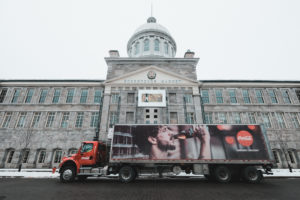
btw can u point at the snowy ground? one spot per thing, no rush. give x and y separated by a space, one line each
47 173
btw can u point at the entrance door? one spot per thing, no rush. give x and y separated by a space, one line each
151 116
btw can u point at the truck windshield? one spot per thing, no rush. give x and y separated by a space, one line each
87 147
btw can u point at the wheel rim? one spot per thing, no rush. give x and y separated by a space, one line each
252 175
126 174
223 175
67 174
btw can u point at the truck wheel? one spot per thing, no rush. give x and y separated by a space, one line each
68 174
222 174
126 174
252 175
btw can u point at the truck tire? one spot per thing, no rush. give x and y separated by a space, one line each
127 174
67 174
252 175
222 174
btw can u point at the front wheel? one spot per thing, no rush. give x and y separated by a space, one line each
68 174
127 174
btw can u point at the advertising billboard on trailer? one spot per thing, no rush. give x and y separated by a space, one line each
189 142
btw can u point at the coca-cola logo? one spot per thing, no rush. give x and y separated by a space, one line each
244 138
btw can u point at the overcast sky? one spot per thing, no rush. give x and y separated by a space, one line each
68 39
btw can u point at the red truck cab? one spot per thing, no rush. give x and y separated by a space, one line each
91 154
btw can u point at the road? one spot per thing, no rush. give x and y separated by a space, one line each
147 189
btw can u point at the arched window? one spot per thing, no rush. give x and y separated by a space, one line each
172 51
166 48
156 45
292 156
57 156
146 45
25 155
276 154
9 155
41 156
136 48
72 151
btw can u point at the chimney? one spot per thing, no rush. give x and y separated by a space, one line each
114 54
189 54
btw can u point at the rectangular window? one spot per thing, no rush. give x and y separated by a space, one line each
21 120
10 156
237 118
50 119
266 120
56 96
29 96
43 95
190 118
219 96
57 156
297 94
205 96
173 118
222 118
259 96
97 97
130 98
114 98
113 118
25 156
35 120
42 156
291 156
251 117
7 119
172 98
65 120
232 96
276 156
208 118
94 119
2 95
188 98
16 96
280 120
129 118
246 96
295 120
83 96
273 96
70 96
79 120
286 97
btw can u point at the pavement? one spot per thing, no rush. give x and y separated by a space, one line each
47 173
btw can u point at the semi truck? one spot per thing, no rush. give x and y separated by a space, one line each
220 152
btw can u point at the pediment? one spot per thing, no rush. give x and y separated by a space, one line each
151 75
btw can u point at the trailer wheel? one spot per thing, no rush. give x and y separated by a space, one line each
222 174
252 175
67 174
127 174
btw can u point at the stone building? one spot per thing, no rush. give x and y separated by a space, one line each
42 120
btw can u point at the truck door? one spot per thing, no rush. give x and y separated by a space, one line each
87 154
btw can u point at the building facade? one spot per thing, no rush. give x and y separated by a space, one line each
43 120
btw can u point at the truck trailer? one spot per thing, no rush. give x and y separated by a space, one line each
220 152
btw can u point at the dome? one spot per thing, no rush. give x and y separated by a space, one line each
153 27
151 40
